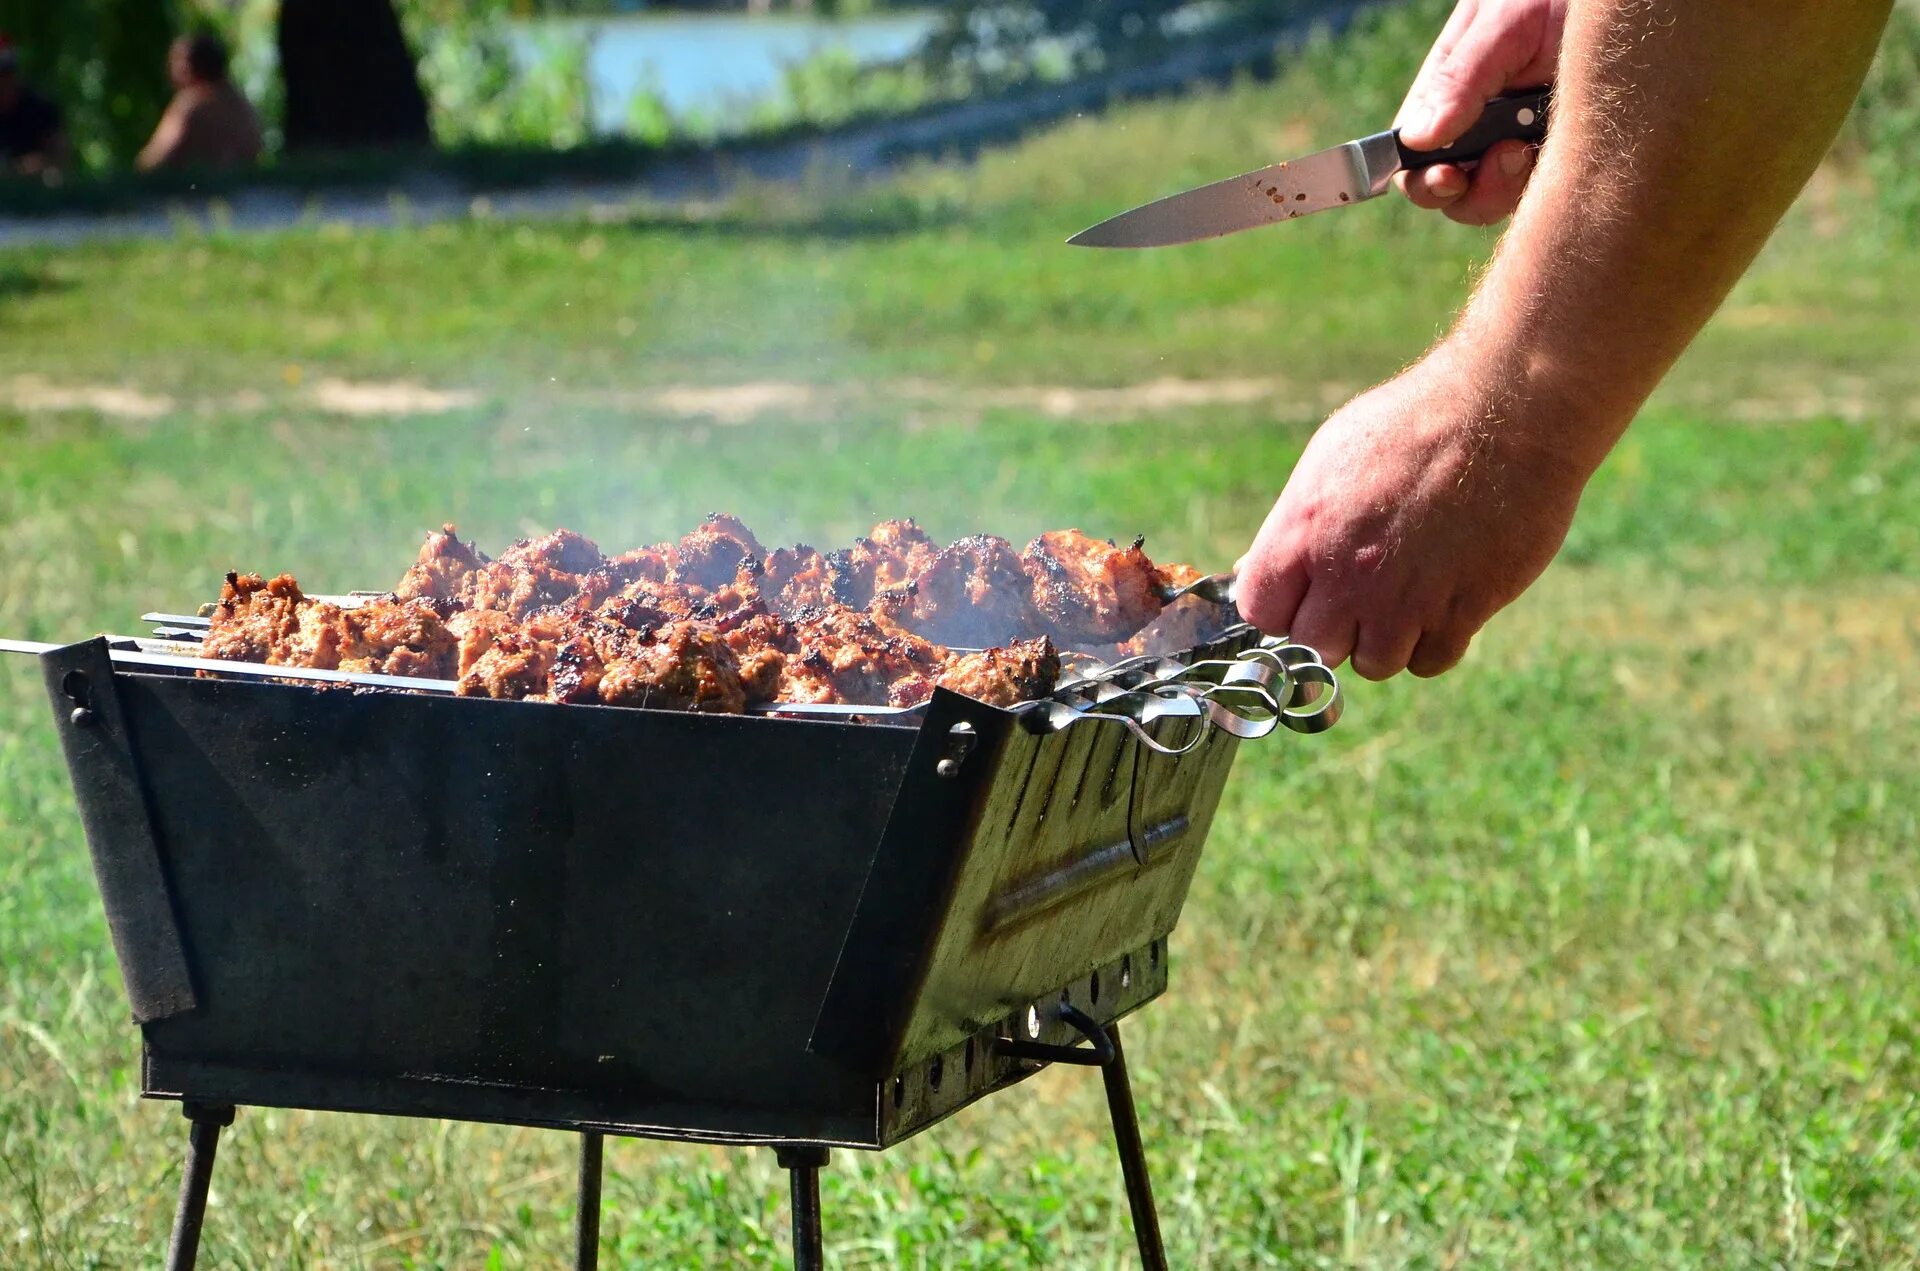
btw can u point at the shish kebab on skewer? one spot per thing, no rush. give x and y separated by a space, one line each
716 622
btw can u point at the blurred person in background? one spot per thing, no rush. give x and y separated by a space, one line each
209 123
1682 131
32 141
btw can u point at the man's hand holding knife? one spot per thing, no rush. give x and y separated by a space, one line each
1682 130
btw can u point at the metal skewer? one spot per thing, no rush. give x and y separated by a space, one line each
1217 588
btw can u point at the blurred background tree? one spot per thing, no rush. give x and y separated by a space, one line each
350 78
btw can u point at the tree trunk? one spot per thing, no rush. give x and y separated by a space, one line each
350 78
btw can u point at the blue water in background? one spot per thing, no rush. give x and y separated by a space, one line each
715 65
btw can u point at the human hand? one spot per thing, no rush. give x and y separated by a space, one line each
1487 47
1417 512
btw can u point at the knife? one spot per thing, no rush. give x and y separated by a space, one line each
1350 173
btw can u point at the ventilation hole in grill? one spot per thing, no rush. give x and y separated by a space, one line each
1093 989
969 1059
1126 972
1033 1021
935 1071
899 1091
1066 995
1153 954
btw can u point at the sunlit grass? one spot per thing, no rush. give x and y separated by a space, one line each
1600 951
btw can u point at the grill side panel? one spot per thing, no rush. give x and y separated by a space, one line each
1076 849
629 916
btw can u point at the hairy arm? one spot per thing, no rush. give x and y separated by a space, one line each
1682 131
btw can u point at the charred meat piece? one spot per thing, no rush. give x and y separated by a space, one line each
711 556
441 568
797 578
843 655
1090 591
1020 672
260 621
654 563
519 589
514 666
474 631
1185 624
892 556
762 643
562 551
274 623
973 594
397 637
680 667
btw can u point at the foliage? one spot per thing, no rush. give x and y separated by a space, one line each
103 61
1886 120
1014 40
833 87
484 91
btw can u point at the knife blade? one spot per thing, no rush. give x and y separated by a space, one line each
1338 177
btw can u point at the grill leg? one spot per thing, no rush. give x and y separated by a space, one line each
803 1163
1133 1157
203 1139
586 1228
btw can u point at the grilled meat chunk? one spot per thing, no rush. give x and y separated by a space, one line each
843 655
797 578
562 551
1089 591
398 637
1185 624
1020 672
711 556
442 567
892 556
682 666
519 589
260 621
514 666
274 623
974 594
654 563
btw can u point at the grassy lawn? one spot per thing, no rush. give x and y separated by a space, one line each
1603 950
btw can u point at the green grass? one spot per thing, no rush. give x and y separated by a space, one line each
1599 951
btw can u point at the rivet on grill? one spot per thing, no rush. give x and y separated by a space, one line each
960 743
79 691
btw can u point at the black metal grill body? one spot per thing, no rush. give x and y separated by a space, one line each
719 928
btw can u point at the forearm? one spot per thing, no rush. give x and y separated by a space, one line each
1682 131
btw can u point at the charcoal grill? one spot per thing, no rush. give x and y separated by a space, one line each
795 932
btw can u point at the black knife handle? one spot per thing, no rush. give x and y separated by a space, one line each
1520 116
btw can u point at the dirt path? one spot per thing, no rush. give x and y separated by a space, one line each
918 403
729 404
